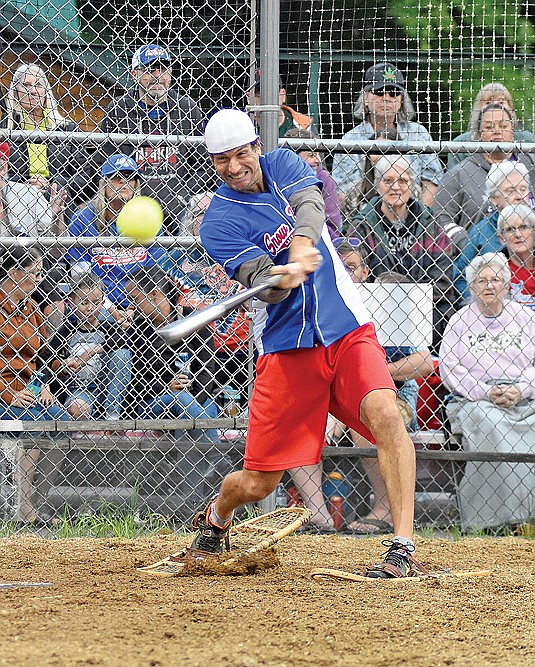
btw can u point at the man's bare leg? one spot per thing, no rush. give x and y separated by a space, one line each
245 486
395 454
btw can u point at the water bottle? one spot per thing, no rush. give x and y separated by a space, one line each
231 399
280 496
35 384
183 364
336 491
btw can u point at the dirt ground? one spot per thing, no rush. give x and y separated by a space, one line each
100 611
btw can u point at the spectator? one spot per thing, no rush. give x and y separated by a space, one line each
486 360
160 389
363 192
507 183
516 226
288 118
120 181
201 281
169 172
24 211
24 393
404 237
490 93
384 103
460 200
50 166
88 358
329 192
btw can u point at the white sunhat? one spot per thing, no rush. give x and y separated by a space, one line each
228 129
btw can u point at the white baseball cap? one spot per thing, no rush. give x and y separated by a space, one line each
228 129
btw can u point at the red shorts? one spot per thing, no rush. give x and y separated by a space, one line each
295 390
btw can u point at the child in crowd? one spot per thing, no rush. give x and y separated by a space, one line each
173 383
90 357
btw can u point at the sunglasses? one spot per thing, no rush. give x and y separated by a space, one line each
353 241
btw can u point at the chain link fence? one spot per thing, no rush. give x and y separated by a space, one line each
103 103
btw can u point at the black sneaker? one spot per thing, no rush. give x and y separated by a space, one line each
209 540
398 562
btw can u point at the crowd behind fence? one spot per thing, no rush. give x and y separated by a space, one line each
96 409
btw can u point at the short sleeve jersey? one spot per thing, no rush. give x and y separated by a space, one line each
240 227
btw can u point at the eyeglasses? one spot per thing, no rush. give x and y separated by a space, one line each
353 269
161 65
404 182
494 282
522 229
353 241
388 93
30 86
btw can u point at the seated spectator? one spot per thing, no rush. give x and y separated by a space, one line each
364 191
24 391
487 362
384 103
88 356
161 388
516 226
288 117
490 93
201 280
152 107
120 182
404 237
329 192
24 210
507 183
460 200
50 166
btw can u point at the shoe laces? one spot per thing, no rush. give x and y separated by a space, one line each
397 554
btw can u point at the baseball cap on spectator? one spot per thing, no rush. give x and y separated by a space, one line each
228 129
5 151
257 82
147 54
119 163
384 76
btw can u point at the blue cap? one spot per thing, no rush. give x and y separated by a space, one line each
146 55
118 163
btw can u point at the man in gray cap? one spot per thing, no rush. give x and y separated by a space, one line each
384 104
170 173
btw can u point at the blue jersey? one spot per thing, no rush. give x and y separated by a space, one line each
111 265
240 227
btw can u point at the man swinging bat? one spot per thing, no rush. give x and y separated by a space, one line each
318 352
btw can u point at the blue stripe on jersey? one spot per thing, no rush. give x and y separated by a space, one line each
239 227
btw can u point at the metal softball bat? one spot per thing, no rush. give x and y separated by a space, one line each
181 329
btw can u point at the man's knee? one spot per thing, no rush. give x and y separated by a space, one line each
379 410
260 484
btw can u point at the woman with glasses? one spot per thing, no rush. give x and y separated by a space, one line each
487 362
461 199
24 391
384 103
404 237
57 168
507 183
516 230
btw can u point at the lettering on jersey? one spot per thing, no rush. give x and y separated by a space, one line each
280 240
488 342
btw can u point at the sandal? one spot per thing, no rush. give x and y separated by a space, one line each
370 527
